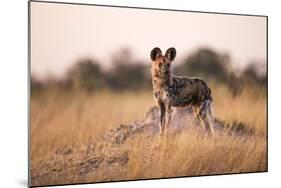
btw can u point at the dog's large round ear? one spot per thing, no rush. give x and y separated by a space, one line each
171 54
155 53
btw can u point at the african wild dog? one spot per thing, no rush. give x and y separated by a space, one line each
174 91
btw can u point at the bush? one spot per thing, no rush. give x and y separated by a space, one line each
206 63
86 74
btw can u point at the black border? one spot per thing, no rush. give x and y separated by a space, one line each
29 92
145 8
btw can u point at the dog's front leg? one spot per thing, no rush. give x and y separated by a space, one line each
168 116
162 121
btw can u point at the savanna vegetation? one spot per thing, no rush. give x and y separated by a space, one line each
70 118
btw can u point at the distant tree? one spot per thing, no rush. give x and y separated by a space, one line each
35 85
205 63
235 84
86 74
252 76
132 76
127 73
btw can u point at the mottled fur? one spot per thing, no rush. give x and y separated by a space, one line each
174 91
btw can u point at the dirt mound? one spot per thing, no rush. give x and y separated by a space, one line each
182 120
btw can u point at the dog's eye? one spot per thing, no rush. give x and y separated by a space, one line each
160 64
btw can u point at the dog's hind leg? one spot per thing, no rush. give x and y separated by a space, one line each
205 115
196 113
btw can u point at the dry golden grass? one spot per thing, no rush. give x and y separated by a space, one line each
72 121
59 120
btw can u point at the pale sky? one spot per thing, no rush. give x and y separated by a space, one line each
63 33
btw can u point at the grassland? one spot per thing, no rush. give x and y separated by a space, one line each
66 127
